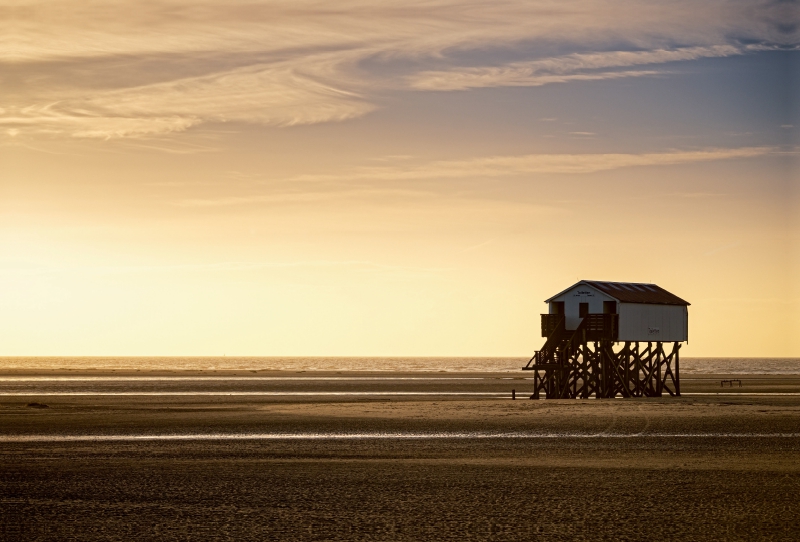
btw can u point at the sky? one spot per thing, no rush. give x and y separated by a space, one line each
372 178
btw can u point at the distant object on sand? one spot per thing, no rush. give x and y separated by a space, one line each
37 405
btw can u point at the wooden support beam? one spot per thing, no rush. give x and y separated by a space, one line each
575 368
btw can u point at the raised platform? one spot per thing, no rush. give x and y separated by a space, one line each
583 362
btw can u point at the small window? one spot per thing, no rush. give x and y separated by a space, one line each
609 307
583 310
558 307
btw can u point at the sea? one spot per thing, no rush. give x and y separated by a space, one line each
688 366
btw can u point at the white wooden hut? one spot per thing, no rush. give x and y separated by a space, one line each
646 312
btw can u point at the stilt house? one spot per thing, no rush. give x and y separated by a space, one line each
620 311
584 325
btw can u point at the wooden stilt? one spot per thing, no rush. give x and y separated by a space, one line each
597 369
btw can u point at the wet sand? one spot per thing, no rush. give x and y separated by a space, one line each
391 456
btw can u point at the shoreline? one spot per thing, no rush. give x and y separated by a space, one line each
4 371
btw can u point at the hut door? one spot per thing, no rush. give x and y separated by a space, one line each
583 310
609 307
558 307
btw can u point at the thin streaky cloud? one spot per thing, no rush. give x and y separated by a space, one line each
280 95
479 245
487 167
722 248
47 30
235 267
267 96
503 166
449 81
564 68
288 193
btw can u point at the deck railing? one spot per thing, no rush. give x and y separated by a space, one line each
597 326
549 323
601 327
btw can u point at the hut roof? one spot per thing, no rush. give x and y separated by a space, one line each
631 292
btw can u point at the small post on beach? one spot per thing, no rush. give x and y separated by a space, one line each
513 394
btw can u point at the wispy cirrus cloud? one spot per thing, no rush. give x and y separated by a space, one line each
48 29
573 67
277 94
362 182
503 166
89 68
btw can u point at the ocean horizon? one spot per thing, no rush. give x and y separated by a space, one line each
688 365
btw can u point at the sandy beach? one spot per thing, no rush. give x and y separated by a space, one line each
391 456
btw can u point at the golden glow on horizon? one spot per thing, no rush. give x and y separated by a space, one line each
274 178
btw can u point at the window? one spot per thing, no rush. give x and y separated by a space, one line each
557 307
609 307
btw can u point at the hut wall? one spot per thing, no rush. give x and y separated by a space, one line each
644 322
572 299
